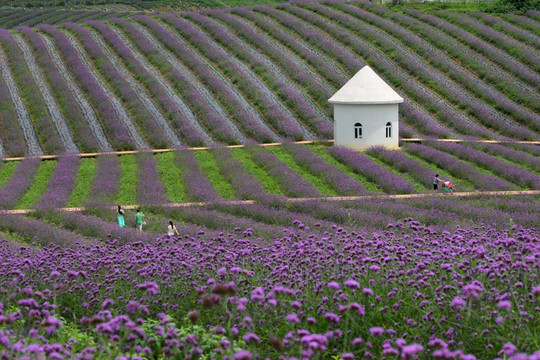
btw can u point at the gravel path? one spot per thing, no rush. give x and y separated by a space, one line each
225 80
255 78
210 99
278 74
57 116
172 137
32 142
424 91
86 107
140 143
442 78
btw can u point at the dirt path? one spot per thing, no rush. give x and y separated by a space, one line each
328 198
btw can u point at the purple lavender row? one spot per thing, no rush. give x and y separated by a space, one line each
115 129
485 69
90 15
140 113
24 16
45 129
309 97
66 15
150 189
105 185
321 65
462 77
195 95
245 185
420 120
9 17
363 165
14 142
523 22
497 23
40 19
81 130
197 185
60 184
399 161
480 46
529 148
519 157
111 41
513 47
292 183
18 183
248 120
500 168
416 66
457 168
250 84
331 174
35 231
414 115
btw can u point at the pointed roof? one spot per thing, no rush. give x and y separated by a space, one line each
366 87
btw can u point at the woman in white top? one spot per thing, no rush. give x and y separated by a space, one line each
171 229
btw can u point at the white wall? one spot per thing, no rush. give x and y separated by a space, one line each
373 119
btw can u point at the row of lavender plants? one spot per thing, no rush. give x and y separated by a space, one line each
32 18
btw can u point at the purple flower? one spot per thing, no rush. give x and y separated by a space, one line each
376 331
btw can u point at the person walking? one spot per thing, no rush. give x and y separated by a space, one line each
139 220
120 215
171 229
436 181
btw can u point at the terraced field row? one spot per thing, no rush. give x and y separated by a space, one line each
263 174
261 74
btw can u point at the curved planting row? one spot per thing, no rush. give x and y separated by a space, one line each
31 18
266 174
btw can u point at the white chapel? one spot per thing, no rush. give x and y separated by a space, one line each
366 112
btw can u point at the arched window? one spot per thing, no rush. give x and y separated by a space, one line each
357 131
388 130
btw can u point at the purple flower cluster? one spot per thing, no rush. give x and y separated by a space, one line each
14 142
340 181
402 294
18 183
374 172
60 184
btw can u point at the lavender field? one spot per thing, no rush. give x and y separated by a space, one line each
90 82
290 251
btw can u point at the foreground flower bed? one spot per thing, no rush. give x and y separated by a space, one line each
406 292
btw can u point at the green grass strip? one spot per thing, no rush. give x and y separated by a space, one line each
321 151
316 181
269 184
209 167
83 182
127 195
171 177
39 185
6 171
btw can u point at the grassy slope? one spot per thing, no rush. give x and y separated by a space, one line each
6 171
208 165
171 176
128 180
